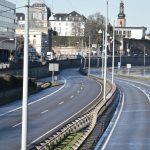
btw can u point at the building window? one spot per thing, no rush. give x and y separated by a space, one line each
34 35
120 33
34 42
129 33
66 24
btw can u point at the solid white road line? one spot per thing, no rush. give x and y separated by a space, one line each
35 101
113 128
43 112
17 125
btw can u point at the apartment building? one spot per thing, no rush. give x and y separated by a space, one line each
7 29
68 24
39 27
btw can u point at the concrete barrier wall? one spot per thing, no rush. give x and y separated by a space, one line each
39 71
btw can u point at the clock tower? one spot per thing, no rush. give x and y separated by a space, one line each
121 21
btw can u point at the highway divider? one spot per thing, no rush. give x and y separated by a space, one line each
86 122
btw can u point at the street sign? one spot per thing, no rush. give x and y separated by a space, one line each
53 67
128 66
119 65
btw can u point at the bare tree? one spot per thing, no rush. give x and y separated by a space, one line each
94 23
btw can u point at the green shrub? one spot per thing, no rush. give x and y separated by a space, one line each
8 82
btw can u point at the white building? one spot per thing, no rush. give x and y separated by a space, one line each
38 27
7 29
130 32
71 24
122 32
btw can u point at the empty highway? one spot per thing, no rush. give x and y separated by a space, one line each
47 110
132 129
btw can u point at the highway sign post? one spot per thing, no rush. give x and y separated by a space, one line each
53 67
128 67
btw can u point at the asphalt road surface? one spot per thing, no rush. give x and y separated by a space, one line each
47 110
132 129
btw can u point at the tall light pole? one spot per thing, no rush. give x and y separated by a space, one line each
85 52
100 32
113 56
103 54
144 52
89 70
25 80
105 63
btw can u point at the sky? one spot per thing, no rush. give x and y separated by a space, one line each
137 11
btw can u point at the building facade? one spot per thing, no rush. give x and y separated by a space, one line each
71 24
130 32
7 30
123 32
39 28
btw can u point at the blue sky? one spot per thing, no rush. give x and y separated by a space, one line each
137 11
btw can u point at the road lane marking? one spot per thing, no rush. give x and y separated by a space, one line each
17 125
43 112
78 91
140 88
10 111
115 123
67 119
61 103
72 96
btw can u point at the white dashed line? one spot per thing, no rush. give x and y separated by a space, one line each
72 96
43 112
61 103
17 125
78 91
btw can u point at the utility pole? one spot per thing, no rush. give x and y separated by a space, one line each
103 54
25 80
105 63
113 56
89 56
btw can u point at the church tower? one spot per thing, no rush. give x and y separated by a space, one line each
121 21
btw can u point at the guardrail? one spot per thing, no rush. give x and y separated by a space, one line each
88 121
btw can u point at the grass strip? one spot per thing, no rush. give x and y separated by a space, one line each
68 142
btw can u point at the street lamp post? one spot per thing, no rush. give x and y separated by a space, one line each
25 80
103 54
89 56
105 64
144 52
100 32
113 56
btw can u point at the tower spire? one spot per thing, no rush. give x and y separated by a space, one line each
121 16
